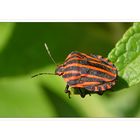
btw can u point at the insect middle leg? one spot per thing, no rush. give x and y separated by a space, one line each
82 94
67 90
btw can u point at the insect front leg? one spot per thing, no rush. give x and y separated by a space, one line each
67 90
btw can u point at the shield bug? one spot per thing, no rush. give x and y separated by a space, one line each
83 72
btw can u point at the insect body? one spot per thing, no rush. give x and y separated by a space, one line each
91 72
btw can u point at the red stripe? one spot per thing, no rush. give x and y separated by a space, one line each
84 75
91 67
92 61
86 84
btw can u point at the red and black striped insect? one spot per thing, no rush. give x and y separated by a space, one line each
89 72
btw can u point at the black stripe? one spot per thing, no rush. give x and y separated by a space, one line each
82 80
84 70
74 82
73 55
70 75
90 88
80 55
87 79
87 63
89 57
75 68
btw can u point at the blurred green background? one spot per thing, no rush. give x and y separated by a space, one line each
22 54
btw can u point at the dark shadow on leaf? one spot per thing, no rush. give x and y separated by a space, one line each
120 84
61 106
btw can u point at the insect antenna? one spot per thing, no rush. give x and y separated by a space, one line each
47 73
48 51
42 73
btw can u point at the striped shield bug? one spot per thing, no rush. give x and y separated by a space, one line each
83 72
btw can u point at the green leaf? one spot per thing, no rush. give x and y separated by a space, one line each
126 56
5 33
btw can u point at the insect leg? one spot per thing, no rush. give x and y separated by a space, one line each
100 93
82 94
67 91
